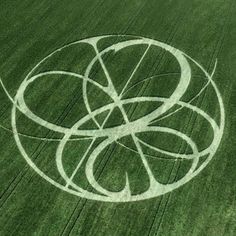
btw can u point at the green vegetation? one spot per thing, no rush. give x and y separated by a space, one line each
30 30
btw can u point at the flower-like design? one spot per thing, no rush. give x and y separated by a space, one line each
132 128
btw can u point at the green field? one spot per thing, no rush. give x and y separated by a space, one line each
118 117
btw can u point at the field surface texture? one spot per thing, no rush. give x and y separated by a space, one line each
118 117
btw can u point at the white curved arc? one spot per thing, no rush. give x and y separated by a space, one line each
191 100
22 106
162 151
43 138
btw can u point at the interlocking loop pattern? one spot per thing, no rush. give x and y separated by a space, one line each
130 128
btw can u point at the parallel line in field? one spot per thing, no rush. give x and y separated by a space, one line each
169 178
155 67
81 199
26 168
25 35
23 173
85 200
104 166
129 24
199 104
39 148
